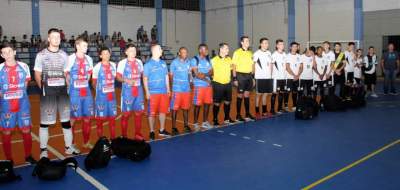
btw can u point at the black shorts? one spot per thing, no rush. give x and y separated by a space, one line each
370 79
358 80
245 82
338 79
306 85
292 86
221 92
350 77
280 85
264 85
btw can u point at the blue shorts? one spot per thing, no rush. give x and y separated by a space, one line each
81 107
130 103
105 108
22 118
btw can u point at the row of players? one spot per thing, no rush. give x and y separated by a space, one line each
64 81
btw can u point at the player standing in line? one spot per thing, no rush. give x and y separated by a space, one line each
78 72
156 85
263 74
180 76
49 76
129 73
105 101
14 102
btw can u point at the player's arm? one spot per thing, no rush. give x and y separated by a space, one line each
300 70
289 70
38 78
146 87
167 84
38 71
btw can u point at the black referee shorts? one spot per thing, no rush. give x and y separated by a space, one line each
264 85
221 92
245 82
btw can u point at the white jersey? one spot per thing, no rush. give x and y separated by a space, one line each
330 56
321 64
294 61
373 62
350 58
307 73
279 60
357 68
262 64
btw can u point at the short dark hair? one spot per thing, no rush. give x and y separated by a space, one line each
222 44
182 48
51 30
80 39
7 45
278 41
337 43
326 42
130 45
351 44
293 43
371 47
104 48
202 45
243 37
263 39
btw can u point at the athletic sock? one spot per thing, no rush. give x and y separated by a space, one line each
238 106
86 131
264 109
99 129
68 136
138 123
215 112
247 105
273 103
227 109
124 125
27 143
111 124
44 137
7 146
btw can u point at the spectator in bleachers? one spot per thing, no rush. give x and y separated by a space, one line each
122 44
13 41
62 36
114 36
25 43
72 41
107 42
145 37
5 40
1 32
139 34
154 33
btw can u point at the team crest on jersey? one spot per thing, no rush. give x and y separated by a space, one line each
5 86
74 107
7 115
100 107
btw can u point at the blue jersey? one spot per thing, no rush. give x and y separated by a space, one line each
203 65
132 71
156 73
13 88
180 72
79 73
14 101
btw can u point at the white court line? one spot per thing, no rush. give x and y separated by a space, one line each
261 141
232 134
82 173
278 145
246 137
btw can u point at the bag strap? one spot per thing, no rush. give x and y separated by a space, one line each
70 162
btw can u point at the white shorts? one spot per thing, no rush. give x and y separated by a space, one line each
50 105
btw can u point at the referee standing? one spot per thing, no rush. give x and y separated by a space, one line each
243 77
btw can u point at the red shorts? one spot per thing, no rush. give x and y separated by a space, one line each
158 103
180 100
202 95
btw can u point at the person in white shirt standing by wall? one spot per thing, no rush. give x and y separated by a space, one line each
371 61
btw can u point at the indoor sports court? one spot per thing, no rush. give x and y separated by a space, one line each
258 94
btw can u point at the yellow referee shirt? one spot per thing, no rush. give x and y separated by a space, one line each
222 69
243 60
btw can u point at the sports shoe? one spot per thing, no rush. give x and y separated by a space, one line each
152 135
164 133
72 150
87 145
44 153
249 117
174 131
196 127
258 116
30 160
229 121
240 118
215 123
187 129
374 95
206 125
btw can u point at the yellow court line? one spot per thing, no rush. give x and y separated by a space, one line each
351 165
